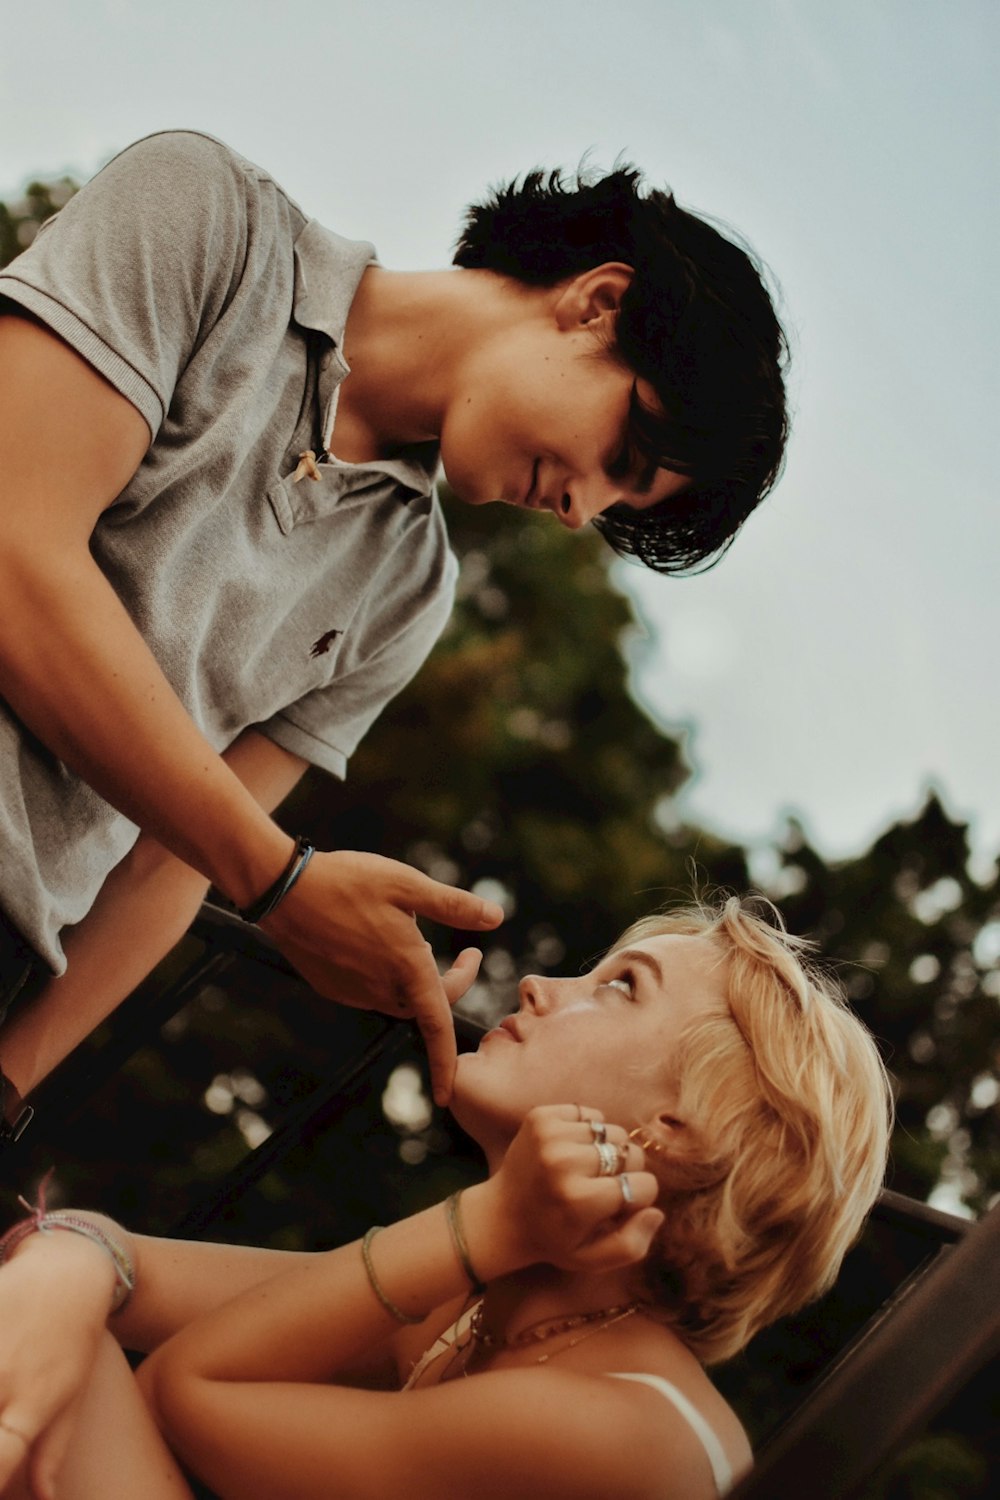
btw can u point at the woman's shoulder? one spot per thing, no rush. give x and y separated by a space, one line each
655 1372
576 1403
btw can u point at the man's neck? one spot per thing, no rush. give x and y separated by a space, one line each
407 335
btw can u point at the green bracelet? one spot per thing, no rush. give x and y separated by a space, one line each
458 1240
387 1303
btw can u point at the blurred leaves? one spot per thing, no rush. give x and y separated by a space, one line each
21 219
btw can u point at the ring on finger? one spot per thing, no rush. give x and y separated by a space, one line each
609 1158
627 1195
599 1131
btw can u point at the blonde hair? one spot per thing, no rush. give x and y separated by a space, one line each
787 1111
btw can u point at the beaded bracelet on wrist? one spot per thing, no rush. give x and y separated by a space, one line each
41 1221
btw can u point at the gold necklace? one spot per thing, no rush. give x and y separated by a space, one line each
549 1328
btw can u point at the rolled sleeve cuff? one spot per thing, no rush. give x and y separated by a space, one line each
299 741
58 318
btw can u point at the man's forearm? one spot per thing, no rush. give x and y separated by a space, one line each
144 908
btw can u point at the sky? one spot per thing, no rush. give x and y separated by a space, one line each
843 657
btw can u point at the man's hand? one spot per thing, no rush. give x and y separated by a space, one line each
349 927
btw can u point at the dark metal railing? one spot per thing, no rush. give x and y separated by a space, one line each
940 1329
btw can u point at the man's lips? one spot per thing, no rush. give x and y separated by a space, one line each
529 498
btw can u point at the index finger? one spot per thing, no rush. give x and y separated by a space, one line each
432 1013
449 904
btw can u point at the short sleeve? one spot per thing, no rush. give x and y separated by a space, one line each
135 268
402 625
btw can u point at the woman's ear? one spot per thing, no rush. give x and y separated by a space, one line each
663 1137
592 299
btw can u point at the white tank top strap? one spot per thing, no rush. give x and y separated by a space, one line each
446 1340
721 1469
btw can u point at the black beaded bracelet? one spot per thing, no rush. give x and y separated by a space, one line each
276 893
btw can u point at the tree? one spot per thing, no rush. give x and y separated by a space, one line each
21 220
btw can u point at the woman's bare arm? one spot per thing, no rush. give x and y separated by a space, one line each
243 1395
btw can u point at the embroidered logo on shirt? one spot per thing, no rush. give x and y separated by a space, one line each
322 646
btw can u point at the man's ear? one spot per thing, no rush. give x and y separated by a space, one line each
592 298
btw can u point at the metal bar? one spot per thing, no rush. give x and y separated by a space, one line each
60 1096
322 1107
895 1208
930 1342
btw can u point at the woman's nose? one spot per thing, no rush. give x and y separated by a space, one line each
537 993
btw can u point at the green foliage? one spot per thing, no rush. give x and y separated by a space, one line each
21 219
918 937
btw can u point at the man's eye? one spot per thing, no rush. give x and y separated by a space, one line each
621 464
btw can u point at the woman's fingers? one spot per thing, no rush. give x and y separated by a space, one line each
13 1451
623 1243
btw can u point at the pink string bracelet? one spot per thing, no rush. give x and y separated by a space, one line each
41 1221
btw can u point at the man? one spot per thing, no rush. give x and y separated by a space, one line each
220 554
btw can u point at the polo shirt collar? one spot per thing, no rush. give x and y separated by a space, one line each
328 271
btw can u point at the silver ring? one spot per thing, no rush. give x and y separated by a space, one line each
599 1131
609 1159
626 1187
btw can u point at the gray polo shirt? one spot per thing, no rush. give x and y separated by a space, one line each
193 284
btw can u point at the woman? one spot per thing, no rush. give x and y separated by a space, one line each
729 1138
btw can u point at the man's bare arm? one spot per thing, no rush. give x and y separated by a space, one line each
79 674
146 905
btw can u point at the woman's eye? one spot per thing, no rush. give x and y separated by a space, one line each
623 982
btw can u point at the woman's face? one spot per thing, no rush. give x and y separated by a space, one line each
604 1040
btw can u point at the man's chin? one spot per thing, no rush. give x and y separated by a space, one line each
472 493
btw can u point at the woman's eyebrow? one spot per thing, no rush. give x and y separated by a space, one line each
642 958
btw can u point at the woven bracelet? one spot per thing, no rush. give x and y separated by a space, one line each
276 893
458 1240
387 1302
41 1222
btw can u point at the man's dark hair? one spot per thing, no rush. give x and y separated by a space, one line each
696 322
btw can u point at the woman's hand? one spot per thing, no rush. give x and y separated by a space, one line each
550 1202
54 1297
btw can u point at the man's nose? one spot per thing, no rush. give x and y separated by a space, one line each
582 499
